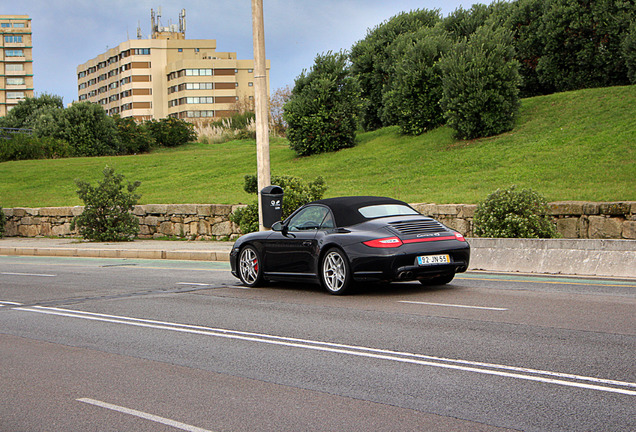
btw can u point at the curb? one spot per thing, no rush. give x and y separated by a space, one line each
118 253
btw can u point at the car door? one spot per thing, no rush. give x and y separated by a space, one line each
292 251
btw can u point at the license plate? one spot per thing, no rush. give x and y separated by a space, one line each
433 259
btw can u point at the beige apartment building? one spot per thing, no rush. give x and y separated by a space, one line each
167 75
16 61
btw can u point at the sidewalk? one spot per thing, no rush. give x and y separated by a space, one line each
144 249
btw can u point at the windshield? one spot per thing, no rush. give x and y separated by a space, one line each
383 210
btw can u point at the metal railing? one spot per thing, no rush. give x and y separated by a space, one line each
5 133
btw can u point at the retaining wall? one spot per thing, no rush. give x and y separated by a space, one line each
196 221
574 220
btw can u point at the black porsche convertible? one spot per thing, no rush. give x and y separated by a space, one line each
340 241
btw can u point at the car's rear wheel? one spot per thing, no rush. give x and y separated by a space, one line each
335 273
439 280
250 269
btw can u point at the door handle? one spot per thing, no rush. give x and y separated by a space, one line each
306 243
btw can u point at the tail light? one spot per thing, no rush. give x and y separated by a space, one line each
388 242
460 237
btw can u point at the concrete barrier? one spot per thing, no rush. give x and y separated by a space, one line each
611 258
605 258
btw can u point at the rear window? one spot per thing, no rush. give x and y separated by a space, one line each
383 210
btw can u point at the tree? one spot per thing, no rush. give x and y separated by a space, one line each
524 19
582 43
89 130
372 60
171 132
322 112
481 84
26 113
628 47
412 96
134 138
277 101
107 209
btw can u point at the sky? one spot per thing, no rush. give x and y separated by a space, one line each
67 33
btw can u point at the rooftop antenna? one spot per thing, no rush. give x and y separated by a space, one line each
153 23
139 35
182 21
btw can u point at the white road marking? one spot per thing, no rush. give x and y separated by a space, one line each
143 415
564 379
28 274
193 284
8 303
204 284
453 305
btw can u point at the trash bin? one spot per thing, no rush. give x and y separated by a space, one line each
272 201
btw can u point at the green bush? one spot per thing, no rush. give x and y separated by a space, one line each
581 43
514 213
374 57
134 138
481 84
628 47
23 147
89 130
322 112
27 112
246 218
296 193
414 89
2 222
171 132
107 213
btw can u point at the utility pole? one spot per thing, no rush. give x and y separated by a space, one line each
260 104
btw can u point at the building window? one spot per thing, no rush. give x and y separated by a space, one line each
14 53
142 51
200 100
180 50
5 25
199 86
250 84
18 25
198 114
15 67
198 72
13 39
15 95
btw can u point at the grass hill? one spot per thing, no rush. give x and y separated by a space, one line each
577 145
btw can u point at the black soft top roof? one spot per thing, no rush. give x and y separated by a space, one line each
345 209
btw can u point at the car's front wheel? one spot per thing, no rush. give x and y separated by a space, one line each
250 269
335 273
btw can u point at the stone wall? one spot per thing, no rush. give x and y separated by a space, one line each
195 221
574 219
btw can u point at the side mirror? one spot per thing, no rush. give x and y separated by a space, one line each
277 226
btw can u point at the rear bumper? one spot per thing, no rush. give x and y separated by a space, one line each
377 264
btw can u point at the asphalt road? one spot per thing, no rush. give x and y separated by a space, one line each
98 344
